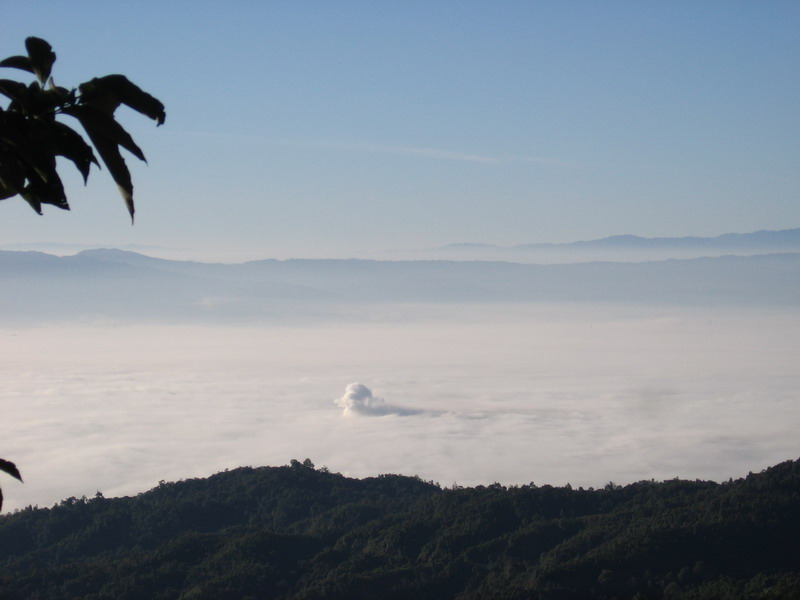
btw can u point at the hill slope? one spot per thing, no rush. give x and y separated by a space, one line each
297 532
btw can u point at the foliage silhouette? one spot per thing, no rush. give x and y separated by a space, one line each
10 468
31 136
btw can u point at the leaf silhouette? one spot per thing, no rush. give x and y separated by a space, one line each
14 90
8 467
17 62
107 93
107 135
71 145
99 124
11 469
32 136
41 57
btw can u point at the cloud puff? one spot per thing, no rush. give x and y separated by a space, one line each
359 400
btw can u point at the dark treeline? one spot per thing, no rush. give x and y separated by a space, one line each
301 532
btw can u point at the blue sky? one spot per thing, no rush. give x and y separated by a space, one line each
339 128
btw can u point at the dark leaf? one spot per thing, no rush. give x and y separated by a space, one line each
18 62
31 137
42 57
45 185
69 144
26 152
65 96
50 101
8 180
109 152
124 91
7 190
11 169
39 192
10 468
33 200
101 125
14 90
98 95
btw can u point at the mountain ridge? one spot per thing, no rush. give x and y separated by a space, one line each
116 283
623 247
788 237
296 532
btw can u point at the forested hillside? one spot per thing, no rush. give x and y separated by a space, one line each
301 532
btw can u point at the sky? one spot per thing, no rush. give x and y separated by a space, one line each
322 129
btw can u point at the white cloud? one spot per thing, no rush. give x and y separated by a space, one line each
506 394
359 400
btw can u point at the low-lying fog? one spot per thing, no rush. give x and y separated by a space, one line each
455 394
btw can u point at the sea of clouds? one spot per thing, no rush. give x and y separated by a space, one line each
467 395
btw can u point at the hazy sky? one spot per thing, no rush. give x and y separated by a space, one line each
326 128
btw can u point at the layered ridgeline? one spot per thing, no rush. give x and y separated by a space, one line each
618 248
301 532
622 248
125 285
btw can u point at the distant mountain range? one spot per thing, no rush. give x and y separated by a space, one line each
627 248
120 284
618 248
774 240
